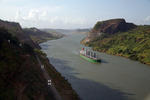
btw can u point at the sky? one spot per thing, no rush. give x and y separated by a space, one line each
72 14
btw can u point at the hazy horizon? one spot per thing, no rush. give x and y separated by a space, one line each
73 14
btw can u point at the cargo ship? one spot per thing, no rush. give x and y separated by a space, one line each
89 55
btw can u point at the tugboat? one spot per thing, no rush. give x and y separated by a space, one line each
89 55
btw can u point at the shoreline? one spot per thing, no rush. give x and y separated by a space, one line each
63 87
120 55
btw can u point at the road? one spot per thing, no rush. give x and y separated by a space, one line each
47 77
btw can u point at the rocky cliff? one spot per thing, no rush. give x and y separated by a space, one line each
109 27
117 37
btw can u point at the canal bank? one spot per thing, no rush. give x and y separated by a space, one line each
116 78
60 87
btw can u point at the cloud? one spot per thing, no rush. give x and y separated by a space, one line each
147 18
35 14
45 18
41 15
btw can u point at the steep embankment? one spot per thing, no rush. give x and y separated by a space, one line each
62 86
20 75
133 43
39 36
16 30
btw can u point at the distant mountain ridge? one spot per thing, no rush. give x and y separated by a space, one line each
53 32
67 31
39 36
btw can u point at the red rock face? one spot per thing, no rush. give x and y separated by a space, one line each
111 26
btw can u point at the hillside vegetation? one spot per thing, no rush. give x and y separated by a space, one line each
108 27
61 84
39 36
118 37
20 74
15 29
133 44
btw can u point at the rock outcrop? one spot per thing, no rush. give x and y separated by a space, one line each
109 27
112 26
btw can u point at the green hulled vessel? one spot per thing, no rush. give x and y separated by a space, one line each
90 56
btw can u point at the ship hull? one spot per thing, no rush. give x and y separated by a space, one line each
90 59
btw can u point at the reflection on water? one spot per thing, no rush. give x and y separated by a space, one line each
101 92
116 78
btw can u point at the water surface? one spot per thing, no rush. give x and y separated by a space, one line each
116 78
